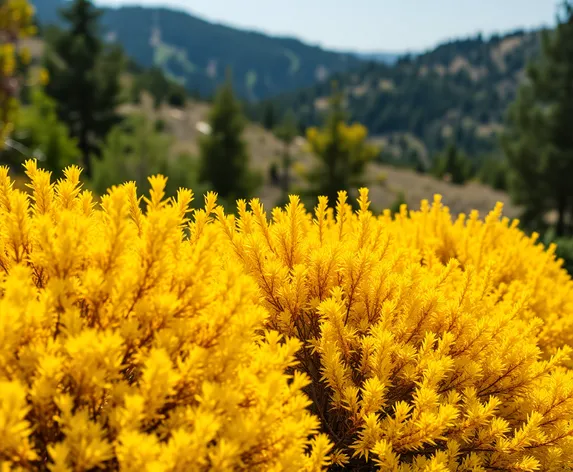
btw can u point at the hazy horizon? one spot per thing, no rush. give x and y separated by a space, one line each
368 25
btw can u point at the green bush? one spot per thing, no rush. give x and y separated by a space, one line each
134 150
494 172
564 248
454 164
39 133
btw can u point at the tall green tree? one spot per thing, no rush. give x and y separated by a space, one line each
493 171
269 116
161 88
84 78
287 131
223 152
454 163
341 153
539 137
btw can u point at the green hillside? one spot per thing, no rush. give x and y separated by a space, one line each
197 53
460 90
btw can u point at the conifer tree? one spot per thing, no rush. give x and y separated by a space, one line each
454 164
539 138
341 152
84 79
223 152
269 116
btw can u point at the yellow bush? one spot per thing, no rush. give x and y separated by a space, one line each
432 344
161 340
515 263
130 341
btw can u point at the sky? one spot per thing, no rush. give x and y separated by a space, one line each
368 25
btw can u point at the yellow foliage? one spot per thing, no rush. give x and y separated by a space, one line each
136 335
341 153
130 340
432 343
350 138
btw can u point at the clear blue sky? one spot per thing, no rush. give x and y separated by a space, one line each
369 25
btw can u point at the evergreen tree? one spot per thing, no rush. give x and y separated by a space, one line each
341 152
454 164
84 78
539 139
223 152
269 116
161 88
287 132
493 171
416 159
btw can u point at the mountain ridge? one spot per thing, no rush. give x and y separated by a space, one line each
197 52
458 91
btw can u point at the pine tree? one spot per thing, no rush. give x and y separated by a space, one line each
223 152
287 132
269 116
84 79
341 152
493 170
454 164
539 138
161 88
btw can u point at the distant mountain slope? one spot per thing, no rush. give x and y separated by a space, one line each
383 57
265 149
197 53
459 90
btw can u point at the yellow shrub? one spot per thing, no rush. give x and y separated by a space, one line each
160 340
130 341
514 262
432 345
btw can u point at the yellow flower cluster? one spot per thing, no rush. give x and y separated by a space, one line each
433 344
15 24
130 340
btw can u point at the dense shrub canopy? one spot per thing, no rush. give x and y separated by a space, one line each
126 346
138 335
432 343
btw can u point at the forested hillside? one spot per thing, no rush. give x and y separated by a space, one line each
460 91
197 53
